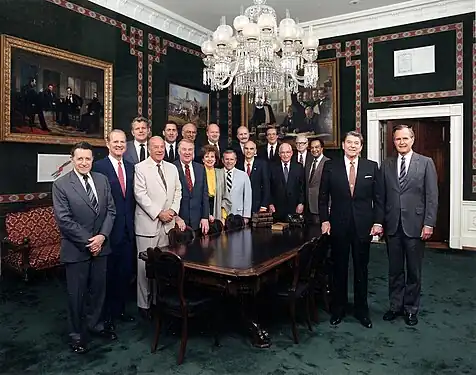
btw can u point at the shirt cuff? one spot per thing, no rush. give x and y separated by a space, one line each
379 225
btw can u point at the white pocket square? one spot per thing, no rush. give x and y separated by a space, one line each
369 176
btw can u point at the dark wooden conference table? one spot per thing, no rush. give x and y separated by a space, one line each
240 263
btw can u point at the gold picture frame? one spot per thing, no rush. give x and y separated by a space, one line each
328 79
57 113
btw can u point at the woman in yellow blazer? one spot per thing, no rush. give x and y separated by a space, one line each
220 204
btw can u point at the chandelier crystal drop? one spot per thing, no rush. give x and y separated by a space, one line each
260 58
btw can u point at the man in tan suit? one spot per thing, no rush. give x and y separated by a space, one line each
158 192
313 173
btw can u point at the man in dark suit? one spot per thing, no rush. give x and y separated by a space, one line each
194 205
213 139
84 211
286 185
352 186
313 173
270 151
302 156
120 175
258 172
411 205
170 136
243 136
137 149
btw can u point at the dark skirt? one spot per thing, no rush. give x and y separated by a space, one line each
211 201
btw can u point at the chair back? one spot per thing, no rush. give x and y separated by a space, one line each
178 237
215 228
320 255
169 273
234 222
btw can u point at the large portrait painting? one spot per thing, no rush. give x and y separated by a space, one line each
312 111
188 105
53 96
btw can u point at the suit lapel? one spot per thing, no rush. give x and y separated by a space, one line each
394 173
99 192
129 177
154 170
412 170
183 180
78 186
112 171
360 174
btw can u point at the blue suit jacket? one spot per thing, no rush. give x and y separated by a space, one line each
125 206
195 204
259 183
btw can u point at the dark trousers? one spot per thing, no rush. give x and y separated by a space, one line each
404 293
86 283
341 246
119 273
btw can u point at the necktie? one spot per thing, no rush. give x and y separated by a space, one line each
352 178
171 153
286 172
120 175
142 152
403 171
248 168
313 169
188 176
90 193
229 181
271 153
161 174
300 159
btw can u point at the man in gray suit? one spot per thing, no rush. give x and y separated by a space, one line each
238 186
84 211
313 173
137 149
411 205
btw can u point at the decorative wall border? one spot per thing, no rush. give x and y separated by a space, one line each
352 49
230 115
458 91
23 197
473 186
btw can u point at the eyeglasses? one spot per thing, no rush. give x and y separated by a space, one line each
301 143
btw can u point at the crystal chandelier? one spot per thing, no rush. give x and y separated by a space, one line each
260 58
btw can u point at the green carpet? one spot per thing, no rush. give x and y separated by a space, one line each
33 334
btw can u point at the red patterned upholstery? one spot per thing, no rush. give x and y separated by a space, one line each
37 224
39 227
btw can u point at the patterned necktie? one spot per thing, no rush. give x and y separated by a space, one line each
229 181
403 171
188 176
171 153
271 153
352 178
313 169
286 172
142 152
90 193
248 169
301 159
161 174
120 175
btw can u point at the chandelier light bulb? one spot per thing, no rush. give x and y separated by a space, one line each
240 22
251 31
208 47
266 21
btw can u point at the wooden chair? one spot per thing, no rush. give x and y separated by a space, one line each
321 271
178 237
169 273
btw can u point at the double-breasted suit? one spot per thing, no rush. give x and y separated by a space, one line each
408 207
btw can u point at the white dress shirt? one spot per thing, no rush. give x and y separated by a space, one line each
90 180
408 157
137 147
250 163
115 164
275 148
304 155
347 165
192 174
319 159
167 147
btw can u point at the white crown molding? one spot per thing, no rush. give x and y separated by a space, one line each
414 11
153 15
389 16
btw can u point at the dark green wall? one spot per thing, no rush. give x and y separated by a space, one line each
49 24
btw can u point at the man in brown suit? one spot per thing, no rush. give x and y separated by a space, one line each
313 172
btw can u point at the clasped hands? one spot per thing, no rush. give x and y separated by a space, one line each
95 244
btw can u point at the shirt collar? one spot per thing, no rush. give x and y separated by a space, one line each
347 160
137 144
81 176
114 161
407 156
170 144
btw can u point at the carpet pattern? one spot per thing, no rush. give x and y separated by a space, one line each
33 334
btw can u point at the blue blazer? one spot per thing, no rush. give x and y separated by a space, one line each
195 205
125 206
259 183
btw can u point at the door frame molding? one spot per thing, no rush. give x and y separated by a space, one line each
457 239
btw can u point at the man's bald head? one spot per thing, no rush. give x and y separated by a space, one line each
213 133
189 131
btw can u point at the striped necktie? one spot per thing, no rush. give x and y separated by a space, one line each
228 181
90 193
403 171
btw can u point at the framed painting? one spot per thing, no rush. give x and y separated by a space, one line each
53 96
313 112
188 105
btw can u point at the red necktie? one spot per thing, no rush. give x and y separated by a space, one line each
188 176
122 181
248 169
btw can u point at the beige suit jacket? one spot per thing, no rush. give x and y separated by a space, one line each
152 197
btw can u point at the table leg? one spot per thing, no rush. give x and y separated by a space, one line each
259 336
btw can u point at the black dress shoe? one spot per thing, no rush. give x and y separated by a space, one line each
78 347
105 334
411 319
336 320
365 321
109 325
391 315
126 318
